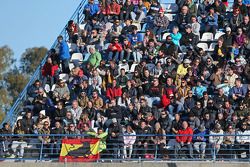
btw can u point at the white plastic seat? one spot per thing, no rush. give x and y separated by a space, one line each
165 35
125 66
218 35
82 26
138 25
47 88
207 36
72 47
169 16
212 46
132 69
71 66
64 76
108 26
204 46
76 56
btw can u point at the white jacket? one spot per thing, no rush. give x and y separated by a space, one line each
213 139
243 136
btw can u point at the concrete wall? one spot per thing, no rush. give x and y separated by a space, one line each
127 164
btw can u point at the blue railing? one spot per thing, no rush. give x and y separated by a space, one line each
31 148
15 110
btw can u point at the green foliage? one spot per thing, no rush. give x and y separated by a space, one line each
6 59
31 58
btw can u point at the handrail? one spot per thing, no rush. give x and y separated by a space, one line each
13 112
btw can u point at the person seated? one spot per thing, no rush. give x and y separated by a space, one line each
215 139
211 21
126 10
90 10
182 18
61 91
140 12
184 139
111 11
114 50
243 140
199 140
161 23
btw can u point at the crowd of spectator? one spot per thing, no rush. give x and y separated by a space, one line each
168 91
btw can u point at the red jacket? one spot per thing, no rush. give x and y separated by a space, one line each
117 45
112 93
185 139
115 8
165 101
49 69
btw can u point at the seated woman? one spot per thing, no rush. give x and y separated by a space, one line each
129 137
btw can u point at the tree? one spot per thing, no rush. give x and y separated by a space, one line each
31 59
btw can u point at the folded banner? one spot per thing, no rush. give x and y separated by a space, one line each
79 150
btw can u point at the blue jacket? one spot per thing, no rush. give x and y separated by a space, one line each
246 2
212 21
134 38
176 38
198 91
200 134
64 51
93 8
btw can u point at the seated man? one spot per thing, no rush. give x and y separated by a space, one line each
243 140
184 139
199 140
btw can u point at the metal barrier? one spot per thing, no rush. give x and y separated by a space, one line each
29 147
17 107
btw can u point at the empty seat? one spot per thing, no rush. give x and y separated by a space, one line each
211 47
82 26
132 69
218 35
76 56
207 36
204 46
64 76
125 66
165 35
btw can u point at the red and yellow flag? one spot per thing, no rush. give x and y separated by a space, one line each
79 150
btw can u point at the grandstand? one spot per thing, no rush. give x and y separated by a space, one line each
162 85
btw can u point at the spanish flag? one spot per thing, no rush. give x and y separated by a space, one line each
79 150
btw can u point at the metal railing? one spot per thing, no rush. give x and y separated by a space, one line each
29 147
17 107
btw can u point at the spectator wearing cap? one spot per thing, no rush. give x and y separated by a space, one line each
126 10
184 139
182 18
199 140
61 91
189 38
211 21
90 10
140 11
228 38
216 139
243 140
161 23
39 123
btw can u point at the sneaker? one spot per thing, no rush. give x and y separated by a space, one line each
12 156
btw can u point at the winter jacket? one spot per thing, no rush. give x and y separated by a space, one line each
201 134
213 139
113 7
64 51
95 59
118 47
241 138
187 135
49 69
93 8
161 21
176 38
114 92
129 138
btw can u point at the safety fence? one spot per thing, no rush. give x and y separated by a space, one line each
85 148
